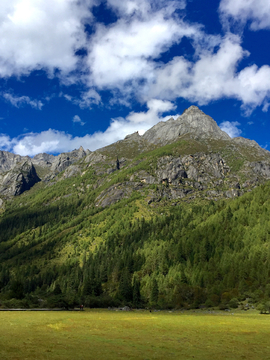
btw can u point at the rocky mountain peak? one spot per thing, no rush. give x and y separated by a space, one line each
192 110
193 121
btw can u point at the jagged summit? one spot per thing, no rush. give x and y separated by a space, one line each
192 121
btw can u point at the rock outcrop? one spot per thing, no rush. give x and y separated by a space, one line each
192 121
8 160
18 173
21 178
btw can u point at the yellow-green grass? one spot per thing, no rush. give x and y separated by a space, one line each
103 334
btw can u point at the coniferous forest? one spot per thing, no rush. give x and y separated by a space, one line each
60 251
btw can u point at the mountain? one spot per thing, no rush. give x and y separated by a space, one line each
201 160
181 211
192 121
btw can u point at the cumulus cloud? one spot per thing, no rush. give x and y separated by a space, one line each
231 128
123 53
38 34
54 141
77 119
125 56
255 11
213 76
18 101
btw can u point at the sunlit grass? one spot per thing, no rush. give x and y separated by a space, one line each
102 334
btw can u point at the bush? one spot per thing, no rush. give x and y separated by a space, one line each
264 307
233 303
209 303
223 306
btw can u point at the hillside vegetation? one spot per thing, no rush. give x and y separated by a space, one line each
59 247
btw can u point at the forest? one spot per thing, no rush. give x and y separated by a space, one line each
58 249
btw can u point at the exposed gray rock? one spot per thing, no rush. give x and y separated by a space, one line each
232 193
192 121
94 158
198 167
134 136
261 168
43 160
192 173
169 193
250 143
72 170
111 170
21 178
62 161
114 194
170 169
8 160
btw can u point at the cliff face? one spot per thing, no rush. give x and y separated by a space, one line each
178 159
19 179
192 121
20 173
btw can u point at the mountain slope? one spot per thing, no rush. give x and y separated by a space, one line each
142 228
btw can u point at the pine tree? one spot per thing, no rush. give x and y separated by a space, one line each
154 293
136 293
125 288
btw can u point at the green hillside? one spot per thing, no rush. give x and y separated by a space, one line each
60 247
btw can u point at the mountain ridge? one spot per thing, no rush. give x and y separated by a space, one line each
192 126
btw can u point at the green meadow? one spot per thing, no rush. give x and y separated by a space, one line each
103 334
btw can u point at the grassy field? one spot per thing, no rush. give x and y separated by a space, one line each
103 334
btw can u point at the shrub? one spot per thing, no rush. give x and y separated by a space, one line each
233 303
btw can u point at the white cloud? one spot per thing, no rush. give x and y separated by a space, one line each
213 76
152 116
142 121
231 128
129 7
123 57
38 34
18 101
123 53
77 119
86 100
265 106
54 141
256 11
5 142
144 8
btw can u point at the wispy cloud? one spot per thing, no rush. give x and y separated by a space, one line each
18 101
78 120
85 100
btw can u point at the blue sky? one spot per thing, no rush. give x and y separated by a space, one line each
90 72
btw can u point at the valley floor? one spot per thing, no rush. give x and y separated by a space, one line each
104 334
